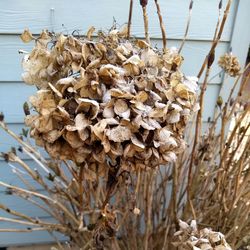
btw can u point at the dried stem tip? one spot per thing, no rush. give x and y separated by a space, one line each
130 17
163 31
191 5
143 3
1 117
220 5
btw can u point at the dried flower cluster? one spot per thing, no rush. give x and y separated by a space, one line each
189 237
108 98
230 64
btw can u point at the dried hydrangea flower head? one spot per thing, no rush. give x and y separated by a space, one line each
108 98
230 64
189 237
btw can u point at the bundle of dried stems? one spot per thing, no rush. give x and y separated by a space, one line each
209 181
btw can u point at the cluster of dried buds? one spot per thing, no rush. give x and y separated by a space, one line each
230 64
190 238
107 98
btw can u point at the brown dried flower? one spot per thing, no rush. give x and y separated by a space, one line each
189 237
108 99
230 64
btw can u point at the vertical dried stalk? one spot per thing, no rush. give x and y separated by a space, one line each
174 194
80 182
130 18
215 41
198 128
163 30
187 27
145 19
149 198
218 21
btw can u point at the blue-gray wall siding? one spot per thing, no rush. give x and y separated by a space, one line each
15 15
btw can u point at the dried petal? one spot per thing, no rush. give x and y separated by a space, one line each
119 134
26 36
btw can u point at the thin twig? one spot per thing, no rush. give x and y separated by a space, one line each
34 229
130 18
163 30
187 26
43 197
145 19
216 41
40 223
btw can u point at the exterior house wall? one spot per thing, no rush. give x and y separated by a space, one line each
67 16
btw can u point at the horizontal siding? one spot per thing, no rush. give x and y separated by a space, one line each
193 52
37 16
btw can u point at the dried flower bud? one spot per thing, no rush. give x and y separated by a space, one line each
231 102
191 4
13 150
136 211
25 132
242 129
26 36
26 108
220 5
1 117
5 156
210 59
91 227
20 149
230 64
143 3
219 101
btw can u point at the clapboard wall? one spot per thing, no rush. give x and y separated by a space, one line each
67 16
